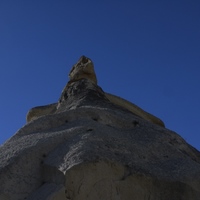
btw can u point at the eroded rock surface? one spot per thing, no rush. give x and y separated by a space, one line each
89 148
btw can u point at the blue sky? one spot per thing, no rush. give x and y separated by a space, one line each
147 52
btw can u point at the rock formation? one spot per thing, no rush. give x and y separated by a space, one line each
88 146
84 69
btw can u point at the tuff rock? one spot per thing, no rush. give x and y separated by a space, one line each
91 149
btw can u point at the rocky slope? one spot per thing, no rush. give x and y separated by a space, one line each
89 148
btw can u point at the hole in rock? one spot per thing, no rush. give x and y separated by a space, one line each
135 123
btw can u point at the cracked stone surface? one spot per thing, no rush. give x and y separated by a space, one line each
92 149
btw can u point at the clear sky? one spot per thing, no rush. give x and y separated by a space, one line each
147 52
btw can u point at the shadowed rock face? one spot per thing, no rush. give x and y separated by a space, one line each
92 149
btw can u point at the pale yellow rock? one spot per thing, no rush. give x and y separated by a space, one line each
39 111
85 69
134 109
